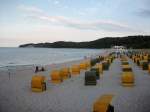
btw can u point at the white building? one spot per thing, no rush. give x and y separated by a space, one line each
119 49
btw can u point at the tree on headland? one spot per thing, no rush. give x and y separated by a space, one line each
136 42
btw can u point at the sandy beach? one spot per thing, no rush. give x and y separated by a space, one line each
72 95
74 55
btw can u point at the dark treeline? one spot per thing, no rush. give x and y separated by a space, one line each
136 42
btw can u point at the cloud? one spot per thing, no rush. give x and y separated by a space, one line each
112 26
31 9
87 25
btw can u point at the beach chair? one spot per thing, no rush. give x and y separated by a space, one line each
96 71
149 68
126 68
88 64
100 67
124 58
141 57
103 104
90 78
140 63
134 58
148 57
105 65
83 66
124 63
137 61
75 70
97 60
56 77
101 58
109 60
127 79
65 73
112 58
145 65
38 83
93 62
145 57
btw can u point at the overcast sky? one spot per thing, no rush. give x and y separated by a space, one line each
33 21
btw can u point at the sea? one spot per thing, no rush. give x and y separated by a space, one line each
43 56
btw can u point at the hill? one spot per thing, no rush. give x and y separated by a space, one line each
136 42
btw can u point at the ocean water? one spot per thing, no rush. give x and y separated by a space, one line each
43 56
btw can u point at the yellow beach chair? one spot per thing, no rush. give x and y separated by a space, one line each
65 73
75 70
103 104
127 79
83 66
38 84
56 77
149 68
100 67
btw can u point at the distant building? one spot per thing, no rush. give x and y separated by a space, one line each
119 49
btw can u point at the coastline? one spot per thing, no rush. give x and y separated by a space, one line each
67 63
11 57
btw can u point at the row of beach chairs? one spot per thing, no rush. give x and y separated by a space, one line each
127 77
96 71
142 60
103 103
96 67
93 71
57 76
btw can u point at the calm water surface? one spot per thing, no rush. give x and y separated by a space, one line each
43 56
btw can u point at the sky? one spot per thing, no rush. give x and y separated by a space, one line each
35 21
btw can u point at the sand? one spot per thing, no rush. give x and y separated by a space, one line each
72 95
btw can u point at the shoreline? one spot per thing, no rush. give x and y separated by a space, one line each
48 66
49 59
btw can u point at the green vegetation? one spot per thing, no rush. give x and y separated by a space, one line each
136 42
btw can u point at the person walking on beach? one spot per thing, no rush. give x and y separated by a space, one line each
36 69
42 69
